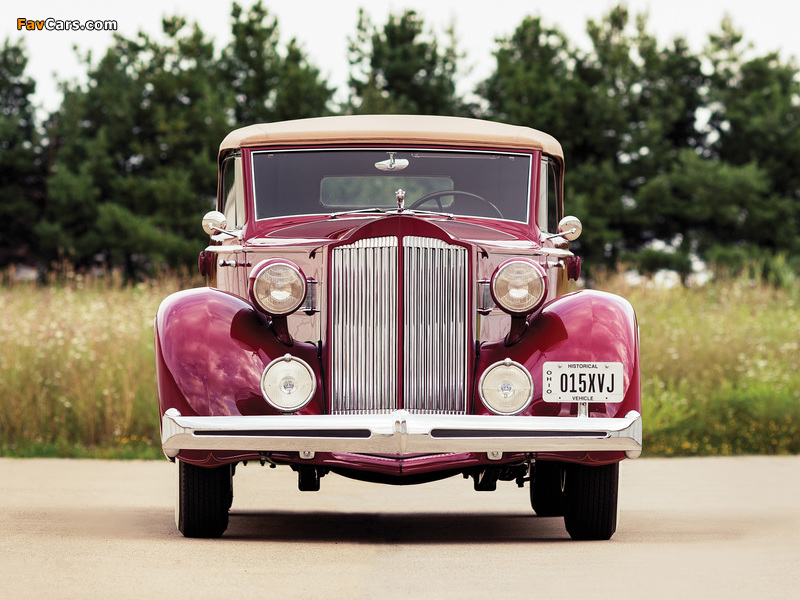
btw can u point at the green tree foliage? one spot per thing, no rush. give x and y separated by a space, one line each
700 152
644 103
136 146
642 166
755 120
400 69
135 152
21 165
533 83
269 85
700 198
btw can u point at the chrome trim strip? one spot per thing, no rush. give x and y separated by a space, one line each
220 249
400 433
556 252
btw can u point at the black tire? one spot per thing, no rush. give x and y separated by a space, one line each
591 509
204 497
547 489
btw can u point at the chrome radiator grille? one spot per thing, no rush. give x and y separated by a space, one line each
434 326
367 321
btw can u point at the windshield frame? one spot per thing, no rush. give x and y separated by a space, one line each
529 157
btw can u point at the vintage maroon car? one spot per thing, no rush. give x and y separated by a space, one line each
387 301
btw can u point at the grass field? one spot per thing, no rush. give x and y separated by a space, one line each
77 369
720 364
721 368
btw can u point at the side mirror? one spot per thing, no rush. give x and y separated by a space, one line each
570 228
214 222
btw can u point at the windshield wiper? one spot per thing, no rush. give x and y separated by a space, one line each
394 211
430 213
358 212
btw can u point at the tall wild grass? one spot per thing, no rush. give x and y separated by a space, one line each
720 366
77 367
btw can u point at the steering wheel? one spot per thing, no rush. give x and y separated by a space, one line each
438 195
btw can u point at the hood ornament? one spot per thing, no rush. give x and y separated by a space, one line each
401 199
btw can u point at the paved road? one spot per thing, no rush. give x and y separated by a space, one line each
689 528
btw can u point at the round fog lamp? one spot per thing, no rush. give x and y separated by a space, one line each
506 388
288 383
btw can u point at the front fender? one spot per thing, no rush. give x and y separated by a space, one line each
211 349
584 326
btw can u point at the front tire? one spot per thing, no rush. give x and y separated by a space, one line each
204 497
591 508
547 489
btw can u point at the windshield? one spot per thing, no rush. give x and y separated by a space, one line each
479 184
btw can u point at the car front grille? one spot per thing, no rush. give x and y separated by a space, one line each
399 329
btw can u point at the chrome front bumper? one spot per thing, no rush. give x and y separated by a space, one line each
400 433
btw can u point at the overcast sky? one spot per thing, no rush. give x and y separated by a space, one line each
323 26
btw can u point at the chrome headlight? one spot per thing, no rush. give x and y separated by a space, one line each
288 383
519 286
278 287
506 388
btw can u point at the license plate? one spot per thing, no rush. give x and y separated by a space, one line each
582 382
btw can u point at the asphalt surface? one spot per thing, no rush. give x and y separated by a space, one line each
688 528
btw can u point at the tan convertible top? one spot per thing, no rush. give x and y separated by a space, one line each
394 129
